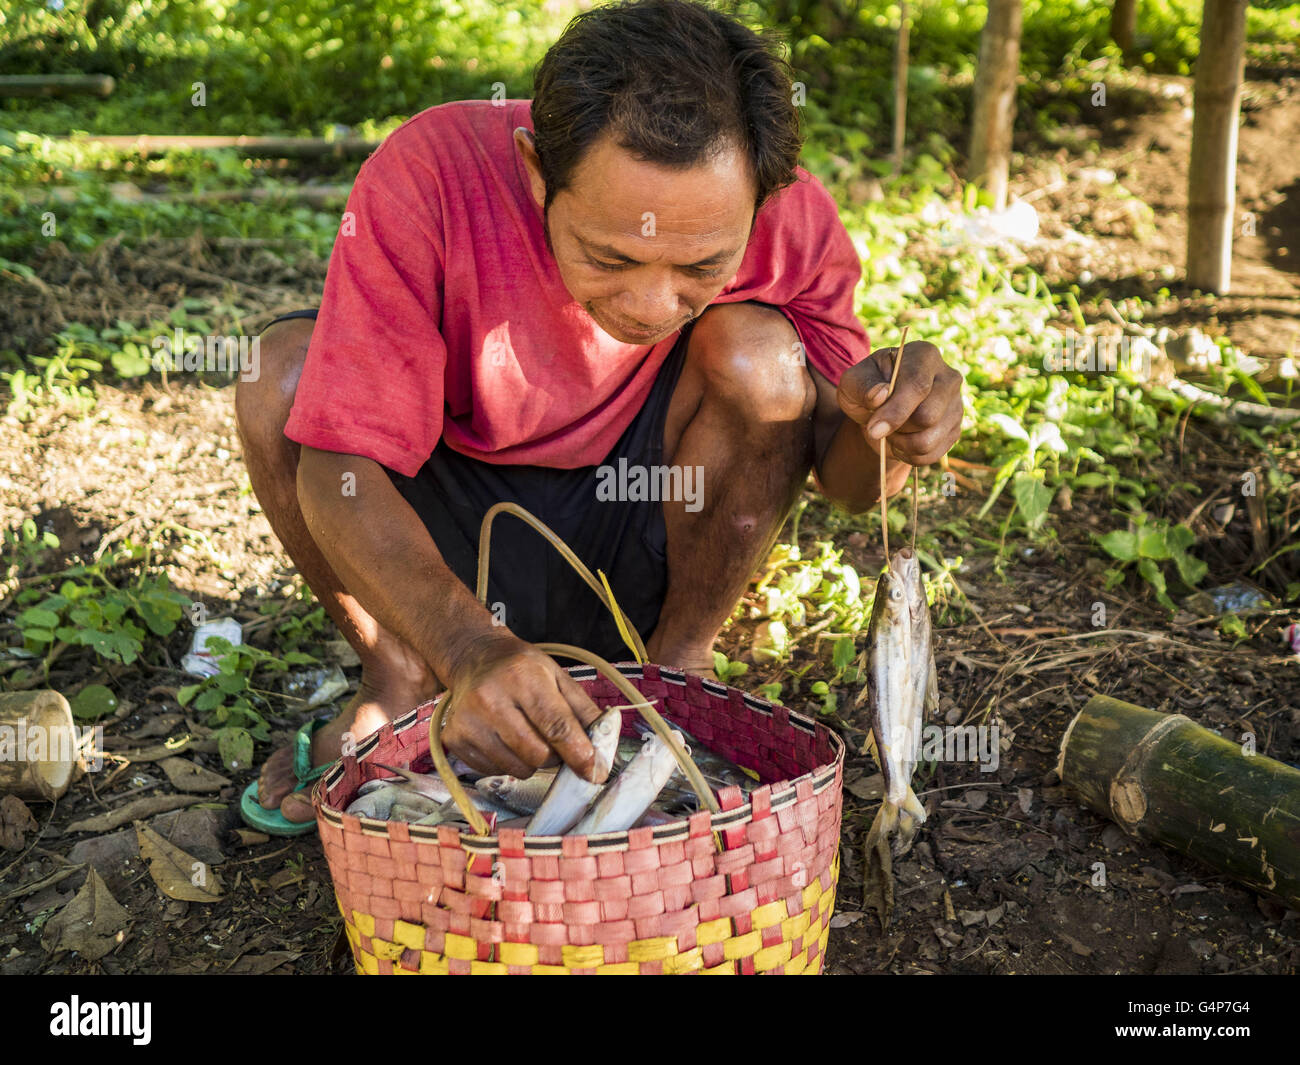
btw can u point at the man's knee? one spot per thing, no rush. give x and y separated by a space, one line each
749 355
262 403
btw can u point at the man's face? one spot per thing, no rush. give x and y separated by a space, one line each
644 248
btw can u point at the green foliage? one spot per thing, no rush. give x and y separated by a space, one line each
1149 545
230 700
89 610
93 702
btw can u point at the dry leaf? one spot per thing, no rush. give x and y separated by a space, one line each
146 806
177 874
189 776
843 920
92 923
247 837
15 821
867 788
261 964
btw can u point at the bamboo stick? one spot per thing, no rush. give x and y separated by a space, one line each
995 98
258 147
1212 170
1164 778
55 84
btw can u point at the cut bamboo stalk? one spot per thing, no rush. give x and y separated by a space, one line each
38 744
1164 778
55 84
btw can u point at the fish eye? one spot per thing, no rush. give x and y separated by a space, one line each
895 594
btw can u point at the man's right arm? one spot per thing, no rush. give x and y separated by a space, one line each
514 705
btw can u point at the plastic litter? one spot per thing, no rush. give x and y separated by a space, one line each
199 661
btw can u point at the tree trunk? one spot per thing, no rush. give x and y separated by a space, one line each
1167 779
1123 24
995 98
900 88
1212 172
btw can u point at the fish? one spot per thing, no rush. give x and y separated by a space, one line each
429 785
523 796
625 802
379 803
716 770
570 795
902 687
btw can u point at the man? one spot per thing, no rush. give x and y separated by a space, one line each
629 274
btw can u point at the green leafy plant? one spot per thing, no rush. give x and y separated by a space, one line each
231 700
1149 545
726 670
89 610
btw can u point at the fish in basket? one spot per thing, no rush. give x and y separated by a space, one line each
747 889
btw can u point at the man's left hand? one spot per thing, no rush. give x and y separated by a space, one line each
921 419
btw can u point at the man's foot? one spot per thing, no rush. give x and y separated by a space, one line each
367 712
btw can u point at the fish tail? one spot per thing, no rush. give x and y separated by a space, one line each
878 871
910 818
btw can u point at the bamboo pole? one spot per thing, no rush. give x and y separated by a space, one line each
257 147
38 744
995 98
1123 24
55 84
1212 171
900 87
1164 778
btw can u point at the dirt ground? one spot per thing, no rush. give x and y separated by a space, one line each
1003 878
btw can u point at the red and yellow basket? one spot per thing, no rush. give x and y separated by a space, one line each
747 889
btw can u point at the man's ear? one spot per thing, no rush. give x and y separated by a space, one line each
527 148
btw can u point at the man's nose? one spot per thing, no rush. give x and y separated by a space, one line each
653 302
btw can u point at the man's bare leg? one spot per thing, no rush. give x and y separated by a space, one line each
742 411
393 678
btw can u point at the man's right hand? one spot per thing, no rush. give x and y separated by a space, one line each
516 709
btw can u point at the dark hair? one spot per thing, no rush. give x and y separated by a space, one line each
675 82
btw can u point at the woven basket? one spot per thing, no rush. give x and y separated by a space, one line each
420 899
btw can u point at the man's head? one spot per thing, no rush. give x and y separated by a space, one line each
661 127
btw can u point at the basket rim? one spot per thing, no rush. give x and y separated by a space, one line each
821 778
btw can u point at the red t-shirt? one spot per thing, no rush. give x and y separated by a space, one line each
444 316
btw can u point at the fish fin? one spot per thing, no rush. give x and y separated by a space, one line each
878 871
869 746
930 708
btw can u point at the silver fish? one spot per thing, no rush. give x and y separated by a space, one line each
902 687
716 770
626 801
570 795
522 796
379 803
429 785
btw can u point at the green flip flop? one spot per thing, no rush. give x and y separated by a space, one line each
272 822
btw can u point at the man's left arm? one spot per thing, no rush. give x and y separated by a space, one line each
920 420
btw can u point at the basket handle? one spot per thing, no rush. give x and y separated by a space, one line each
653 719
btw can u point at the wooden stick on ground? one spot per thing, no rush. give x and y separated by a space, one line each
884 496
